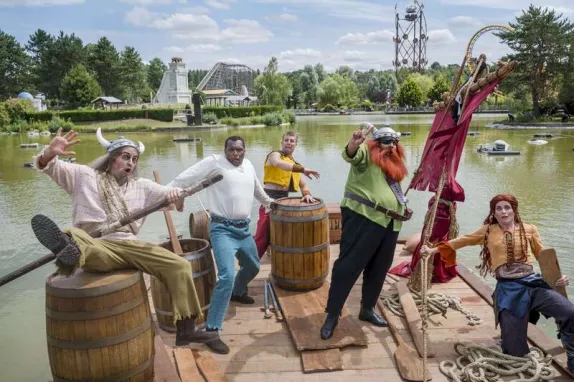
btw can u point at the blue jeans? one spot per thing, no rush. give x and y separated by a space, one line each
229 242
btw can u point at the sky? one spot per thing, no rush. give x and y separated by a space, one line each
357 33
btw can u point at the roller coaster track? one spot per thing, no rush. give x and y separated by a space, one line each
476 36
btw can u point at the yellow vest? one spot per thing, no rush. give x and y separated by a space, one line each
272 174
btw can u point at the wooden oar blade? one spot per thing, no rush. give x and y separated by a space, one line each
550 269
409 364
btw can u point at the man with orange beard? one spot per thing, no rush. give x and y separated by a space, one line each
372 210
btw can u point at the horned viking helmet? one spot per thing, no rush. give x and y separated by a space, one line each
120 142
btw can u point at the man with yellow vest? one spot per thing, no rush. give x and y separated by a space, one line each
281 175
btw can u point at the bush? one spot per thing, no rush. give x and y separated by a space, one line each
209 117
14 110
289 117
240 112
272 119
230 121
57 123
89 115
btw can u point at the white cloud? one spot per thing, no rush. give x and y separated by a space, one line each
219 4
440 37
510 4
376 37
299 53
203 48
245 31
38 3
283 17
174 49
349 9
146 2
354 55
198 10
464 22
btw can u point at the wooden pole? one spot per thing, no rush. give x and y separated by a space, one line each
26 268
175 244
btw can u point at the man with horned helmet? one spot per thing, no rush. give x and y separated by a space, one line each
372 211
509 248
102 194
230 202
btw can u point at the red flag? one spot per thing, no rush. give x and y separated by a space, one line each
444 146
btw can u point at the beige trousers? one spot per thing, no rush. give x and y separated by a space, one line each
101 255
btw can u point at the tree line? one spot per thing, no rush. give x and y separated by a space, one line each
71 73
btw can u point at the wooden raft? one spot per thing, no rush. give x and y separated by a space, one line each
263 350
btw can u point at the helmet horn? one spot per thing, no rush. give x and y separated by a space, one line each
105 144
141 148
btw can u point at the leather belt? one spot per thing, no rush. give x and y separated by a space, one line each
390 213
238 223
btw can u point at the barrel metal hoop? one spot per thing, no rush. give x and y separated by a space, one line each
109 341
202 273
316 248
79 316
195 256
312 207
298 219
93 292
113 378
300 281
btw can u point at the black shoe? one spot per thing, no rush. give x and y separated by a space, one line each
51 237
243 299
369 315
331 322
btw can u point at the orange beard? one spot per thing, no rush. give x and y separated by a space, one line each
389 160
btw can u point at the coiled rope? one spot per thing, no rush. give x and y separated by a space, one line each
487 363
437 303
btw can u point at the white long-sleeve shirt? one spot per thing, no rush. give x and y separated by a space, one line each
232 197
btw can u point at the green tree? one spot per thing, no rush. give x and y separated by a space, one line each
309 84
272 87
56 57
38 47
440 86
194 77
320 70
133 75
79 87
104 62
425 83
14 67
540 41
337 90
155 70
410 94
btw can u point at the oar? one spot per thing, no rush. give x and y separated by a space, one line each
175 245
407 359
111 228
155 207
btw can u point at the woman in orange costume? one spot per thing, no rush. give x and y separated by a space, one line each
509 248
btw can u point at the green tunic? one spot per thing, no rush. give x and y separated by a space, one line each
368 181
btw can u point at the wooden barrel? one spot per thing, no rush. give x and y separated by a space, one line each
99 327
198 253
335 222
299 244
199 225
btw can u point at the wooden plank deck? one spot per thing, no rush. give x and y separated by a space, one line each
263 350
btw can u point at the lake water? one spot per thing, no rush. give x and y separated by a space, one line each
542 178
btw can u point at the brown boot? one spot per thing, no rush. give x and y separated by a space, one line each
196 335
216 344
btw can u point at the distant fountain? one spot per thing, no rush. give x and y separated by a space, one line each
174 86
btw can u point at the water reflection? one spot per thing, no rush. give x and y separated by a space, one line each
542 178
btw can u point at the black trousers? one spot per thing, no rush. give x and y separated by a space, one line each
549 303
365 247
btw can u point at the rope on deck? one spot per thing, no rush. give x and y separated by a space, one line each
437 303
487 363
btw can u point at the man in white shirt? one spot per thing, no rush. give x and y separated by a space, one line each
230 202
